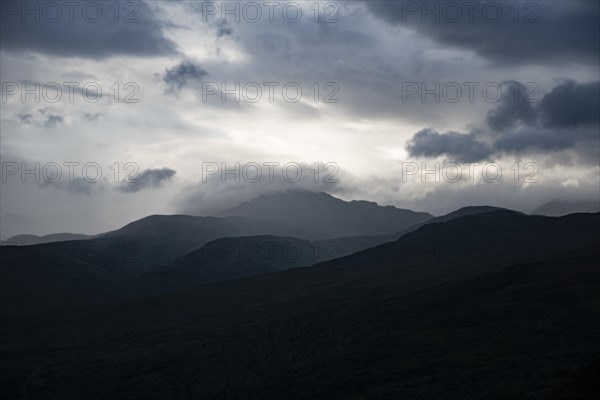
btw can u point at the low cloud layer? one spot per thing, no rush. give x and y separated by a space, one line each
221 191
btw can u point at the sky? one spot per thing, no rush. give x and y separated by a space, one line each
112 111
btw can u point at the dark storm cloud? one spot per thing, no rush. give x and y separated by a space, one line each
148 178
571 104
515 108
567 105
545 30
566 117
177 77
465 147
83 29
534 139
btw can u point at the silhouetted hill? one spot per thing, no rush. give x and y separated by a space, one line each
53 237
461 212
322 216
60 274
238 257
230 258
559 208
491 237
162 238
67 273
325 332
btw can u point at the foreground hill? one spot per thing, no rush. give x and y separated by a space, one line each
67 273
491 237
61 274
527 330
322 216
238 257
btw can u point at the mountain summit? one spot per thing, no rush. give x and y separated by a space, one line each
323 216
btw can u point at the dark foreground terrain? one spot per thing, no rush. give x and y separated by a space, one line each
522 323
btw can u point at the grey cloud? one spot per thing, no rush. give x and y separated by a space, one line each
146 179
52 120
545 30
571 104
567 105
77 186
566 117
368 67
137 30
535 139
178 76
25 118
223 29
45 117
92 117
515 108
463 147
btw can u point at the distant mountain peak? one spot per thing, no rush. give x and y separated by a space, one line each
557 208
321 215
53 237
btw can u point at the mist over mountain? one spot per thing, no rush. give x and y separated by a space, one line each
557 208
323 216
